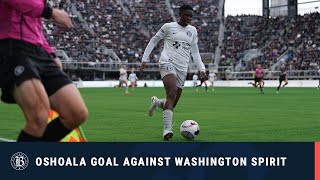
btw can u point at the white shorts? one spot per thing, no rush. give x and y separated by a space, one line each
169 68
122 81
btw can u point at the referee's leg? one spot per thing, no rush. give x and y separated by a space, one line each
32 98
68 102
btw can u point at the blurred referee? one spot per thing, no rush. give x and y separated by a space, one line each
30 77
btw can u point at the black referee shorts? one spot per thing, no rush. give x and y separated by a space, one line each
257 79
21 61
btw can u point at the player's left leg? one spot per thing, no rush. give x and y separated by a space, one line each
280 82
201 82
170 85
126 83
286 82
195 84
179 92
68 102
212 83
260 86
205 83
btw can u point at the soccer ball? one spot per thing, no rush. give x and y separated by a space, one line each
189 129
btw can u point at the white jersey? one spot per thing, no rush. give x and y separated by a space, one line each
179 43
212 76
133 77
195 78
123 74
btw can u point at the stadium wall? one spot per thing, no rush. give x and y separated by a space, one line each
269 83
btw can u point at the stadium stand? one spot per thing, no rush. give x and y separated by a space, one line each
281 40
124 27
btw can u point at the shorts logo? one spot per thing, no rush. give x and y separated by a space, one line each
18 70
169 68
19 161
189 33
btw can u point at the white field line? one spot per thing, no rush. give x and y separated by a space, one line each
7 140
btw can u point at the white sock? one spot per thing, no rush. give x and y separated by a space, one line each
160 103
167 119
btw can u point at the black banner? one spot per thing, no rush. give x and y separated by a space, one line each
235 161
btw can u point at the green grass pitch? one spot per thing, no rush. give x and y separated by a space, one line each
225 115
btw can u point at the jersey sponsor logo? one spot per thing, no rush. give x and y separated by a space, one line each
19 161
161 30
176 45
18 70
189 33
183 45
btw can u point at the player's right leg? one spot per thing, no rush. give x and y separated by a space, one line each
19 79
280 82
153 106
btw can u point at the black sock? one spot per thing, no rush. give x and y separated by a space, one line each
55 131
278 88
25 137
261 89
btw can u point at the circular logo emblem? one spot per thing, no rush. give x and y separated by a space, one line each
18 70
169 68
19 161
189 33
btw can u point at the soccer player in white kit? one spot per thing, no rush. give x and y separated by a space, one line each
133 79
180 43
212 77
319 78
195 81
123 77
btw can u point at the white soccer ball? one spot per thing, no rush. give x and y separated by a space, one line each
189 129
